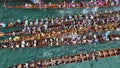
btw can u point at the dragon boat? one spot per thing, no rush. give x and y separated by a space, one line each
78 30
66 24
61 5
57 28
51 21
39 41
95 55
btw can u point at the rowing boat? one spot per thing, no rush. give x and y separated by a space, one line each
59 24
53 6
71 59
98 28
38 41
50 21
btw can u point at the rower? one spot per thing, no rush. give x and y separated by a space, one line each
83 3
116 2
36 22
27 5
13 33
52 21
26 23
50 4
42 21
45 26
17 46
70 17
38 64
57 63
11 45
34 30
101 3
31 23
91 3
24 30
66 20
73 4
95 40
32 65
64 4
1 33
118 29
27 44
45 40
19 21
23 44
35 43
5 5
29 30
26 65
112 3
19 66
39 29
62 39
3 24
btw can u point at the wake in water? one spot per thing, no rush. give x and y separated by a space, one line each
65 12
116 8
94 9
46 53
85 10
88 10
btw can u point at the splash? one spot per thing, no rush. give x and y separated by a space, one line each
65 12
94 9
46 53
116 8
85 10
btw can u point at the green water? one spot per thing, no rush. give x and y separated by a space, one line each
10 57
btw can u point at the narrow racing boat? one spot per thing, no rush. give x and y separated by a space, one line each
96 55
61 5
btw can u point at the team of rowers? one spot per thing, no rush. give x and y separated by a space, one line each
92 3
95 20
70 59
79 30
80 21
61 41
90 17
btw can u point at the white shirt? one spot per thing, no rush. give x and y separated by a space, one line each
23 42
94 36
